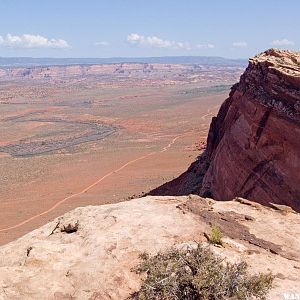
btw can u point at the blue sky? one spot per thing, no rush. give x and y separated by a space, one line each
109 28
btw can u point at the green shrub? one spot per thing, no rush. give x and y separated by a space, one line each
196 273
216 236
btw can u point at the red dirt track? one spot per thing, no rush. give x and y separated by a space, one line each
54 158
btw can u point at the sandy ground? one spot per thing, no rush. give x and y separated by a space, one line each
157 137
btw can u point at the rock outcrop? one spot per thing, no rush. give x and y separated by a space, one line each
253 145
88 253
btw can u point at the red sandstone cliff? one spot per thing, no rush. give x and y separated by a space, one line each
253 145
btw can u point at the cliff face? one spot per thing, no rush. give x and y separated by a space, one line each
253 145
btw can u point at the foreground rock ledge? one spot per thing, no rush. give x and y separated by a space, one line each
88 252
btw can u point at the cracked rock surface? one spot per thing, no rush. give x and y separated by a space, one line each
94 261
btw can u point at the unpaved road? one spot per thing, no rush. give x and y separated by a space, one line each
85 190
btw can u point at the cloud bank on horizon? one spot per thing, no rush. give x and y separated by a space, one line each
283 42
27 41
241 44
154 41
102 44
32 41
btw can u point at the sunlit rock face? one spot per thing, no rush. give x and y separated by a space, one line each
253 145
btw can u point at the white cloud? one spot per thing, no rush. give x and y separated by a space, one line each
102 44
283 42
239 44
154 41
31 41
205 46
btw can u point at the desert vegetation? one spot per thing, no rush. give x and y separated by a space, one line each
215 236
197 273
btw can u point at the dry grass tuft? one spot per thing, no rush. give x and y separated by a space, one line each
216 236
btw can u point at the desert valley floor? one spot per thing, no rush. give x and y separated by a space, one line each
80 142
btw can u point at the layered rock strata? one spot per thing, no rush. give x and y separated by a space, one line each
253 145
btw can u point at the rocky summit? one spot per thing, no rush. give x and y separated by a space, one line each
89 252
253 143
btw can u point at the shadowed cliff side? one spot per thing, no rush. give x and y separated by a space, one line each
253 145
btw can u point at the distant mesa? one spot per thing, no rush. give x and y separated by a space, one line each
253 145
164 69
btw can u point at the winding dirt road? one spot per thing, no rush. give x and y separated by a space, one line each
94 184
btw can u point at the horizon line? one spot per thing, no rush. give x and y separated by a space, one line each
119 57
